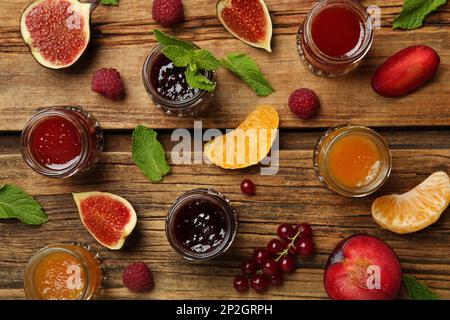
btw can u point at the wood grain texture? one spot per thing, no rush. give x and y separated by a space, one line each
123 37
293 195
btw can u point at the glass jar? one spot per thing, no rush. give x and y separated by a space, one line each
191 104
201 224
333 63
354 161
68 271
60 142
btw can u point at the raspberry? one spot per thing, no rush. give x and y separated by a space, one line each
137 277
108 83
167 12
304 103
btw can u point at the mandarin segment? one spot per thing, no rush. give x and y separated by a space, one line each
415 209
249 143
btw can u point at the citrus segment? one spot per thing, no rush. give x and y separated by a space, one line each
249 143
415 209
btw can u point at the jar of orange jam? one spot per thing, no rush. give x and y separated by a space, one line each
64 272
354 161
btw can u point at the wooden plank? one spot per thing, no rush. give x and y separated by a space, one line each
293 195
123 38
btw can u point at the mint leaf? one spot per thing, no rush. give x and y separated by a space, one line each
110 2
417 290
205 60
414 13
197 80
166 40
178 55
148 154
16 203
247 69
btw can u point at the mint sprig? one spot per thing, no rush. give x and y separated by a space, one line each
196 61
166 40
414 13
417 290
110 2
148 154
247 69
17 204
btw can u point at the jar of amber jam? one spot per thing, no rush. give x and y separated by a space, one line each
167 87
354 161
59 142
64 272
335 37
201 224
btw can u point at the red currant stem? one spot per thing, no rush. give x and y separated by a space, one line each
291 244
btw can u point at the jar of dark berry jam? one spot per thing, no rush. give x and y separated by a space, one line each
335 37
59 142
201 224
167 86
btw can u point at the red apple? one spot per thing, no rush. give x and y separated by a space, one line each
362 267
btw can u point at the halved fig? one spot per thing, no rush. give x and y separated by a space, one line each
110 219
57 32
247 20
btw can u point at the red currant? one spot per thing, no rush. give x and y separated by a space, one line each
275 246
305 247
270 267
291 249
305 230
259 282
287 264
285 231
241 283
248 187
260 255
248 268
276 279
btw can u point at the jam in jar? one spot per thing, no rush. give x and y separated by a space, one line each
167 87
201 224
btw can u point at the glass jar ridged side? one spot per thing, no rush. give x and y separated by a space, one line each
60 142
66 271
201 224
322 63
354 161
167 87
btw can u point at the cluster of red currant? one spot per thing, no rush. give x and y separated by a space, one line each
268 264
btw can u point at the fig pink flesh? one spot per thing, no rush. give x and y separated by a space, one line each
247 19
405 71
105 218
57 31
346 278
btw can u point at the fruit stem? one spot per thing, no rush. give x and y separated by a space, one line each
291 244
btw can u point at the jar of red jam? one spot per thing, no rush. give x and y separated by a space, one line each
201 224
167 87
59 142
335 37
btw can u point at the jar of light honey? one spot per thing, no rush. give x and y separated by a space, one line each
64 272
354 161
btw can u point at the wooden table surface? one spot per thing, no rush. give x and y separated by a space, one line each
416 127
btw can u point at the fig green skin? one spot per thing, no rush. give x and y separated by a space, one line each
93 3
